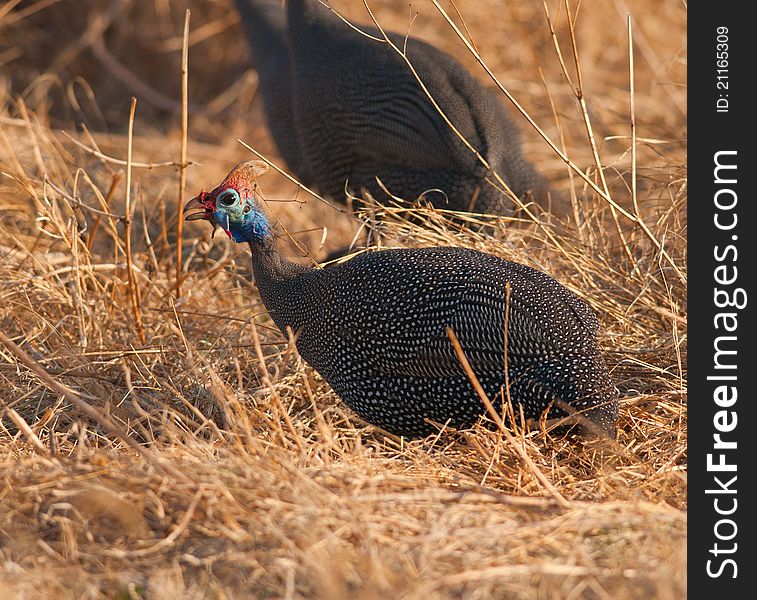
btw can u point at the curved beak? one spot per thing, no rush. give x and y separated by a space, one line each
205 208
197 203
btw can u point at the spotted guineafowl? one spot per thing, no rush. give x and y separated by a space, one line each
265 24
375 327
345 109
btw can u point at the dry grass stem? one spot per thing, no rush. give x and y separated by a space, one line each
127 219
183 155
501 424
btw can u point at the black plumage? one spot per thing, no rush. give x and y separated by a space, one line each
265 24
375 327
345 109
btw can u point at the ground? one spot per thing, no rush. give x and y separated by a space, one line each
160 438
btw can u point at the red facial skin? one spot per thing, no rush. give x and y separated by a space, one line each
206 202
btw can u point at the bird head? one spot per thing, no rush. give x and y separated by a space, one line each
234 206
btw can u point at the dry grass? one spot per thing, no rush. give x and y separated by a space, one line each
252 480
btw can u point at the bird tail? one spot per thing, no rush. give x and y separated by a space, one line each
589 396
599 405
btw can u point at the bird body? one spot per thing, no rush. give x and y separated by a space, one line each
375 327
359 114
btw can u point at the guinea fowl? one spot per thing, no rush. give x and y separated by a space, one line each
265 24
344 109
375 327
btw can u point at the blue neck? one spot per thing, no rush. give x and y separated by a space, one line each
255 230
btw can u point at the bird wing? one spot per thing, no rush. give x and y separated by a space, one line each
402 130
481 322
405 128
405 331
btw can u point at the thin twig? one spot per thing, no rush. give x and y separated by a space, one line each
96 224
118 161
19 421
76 399
8 19
632 96
274 393
581 97
500 423
302 186
634 218
504 186
133 291
183 156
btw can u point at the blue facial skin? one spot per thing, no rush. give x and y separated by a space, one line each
254 228
240 218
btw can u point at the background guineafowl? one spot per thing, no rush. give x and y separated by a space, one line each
265 25
351 111
375 326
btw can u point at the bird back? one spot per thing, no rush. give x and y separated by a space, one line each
358 113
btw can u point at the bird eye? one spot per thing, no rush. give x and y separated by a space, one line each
228 198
